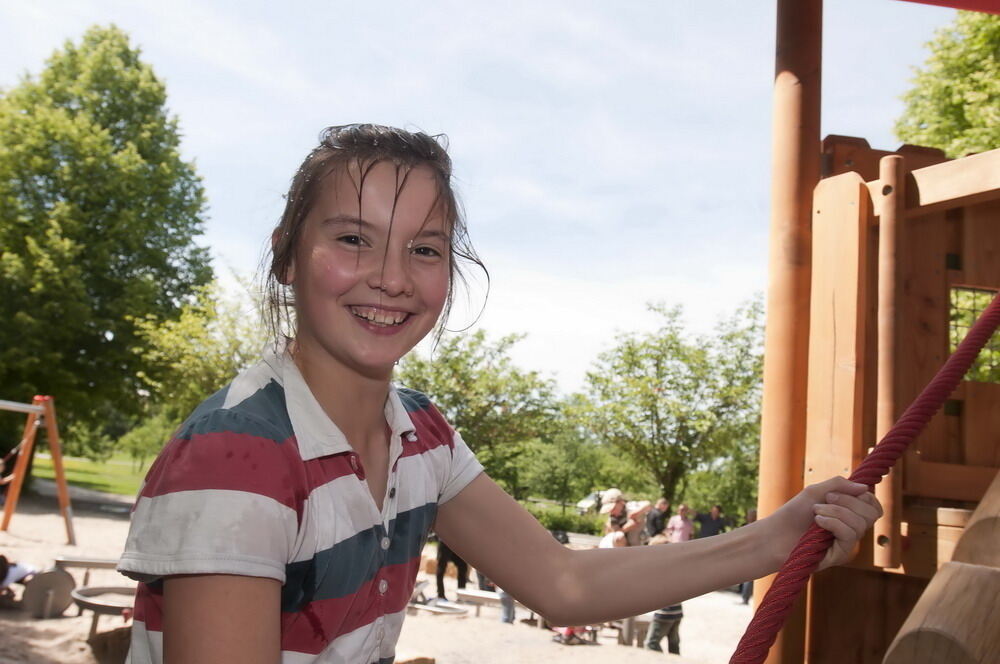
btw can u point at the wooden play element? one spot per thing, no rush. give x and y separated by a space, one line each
47 594
104 601
892 235
41 412
795 169
955 619
795 172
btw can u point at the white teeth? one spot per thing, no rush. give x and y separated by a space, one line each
379 317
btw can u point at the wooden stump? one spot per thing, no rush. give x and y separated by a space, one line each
954 621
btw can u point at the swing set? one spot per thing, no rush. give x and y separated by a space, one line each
41 412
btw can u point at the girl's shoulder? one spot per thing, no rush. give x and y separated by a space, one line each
253 403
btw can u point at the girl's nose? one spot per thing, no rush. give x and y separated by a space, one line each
392 277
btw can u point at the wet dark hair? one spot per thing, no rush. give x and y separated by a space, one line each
363 145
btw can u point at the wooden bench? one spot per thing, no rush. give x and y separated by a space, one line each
63 562
482 598
419 602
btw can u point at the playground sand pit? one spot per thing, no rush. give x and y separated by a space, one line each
711 628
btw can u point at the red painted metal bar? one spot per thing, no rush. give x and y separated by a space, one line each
987 6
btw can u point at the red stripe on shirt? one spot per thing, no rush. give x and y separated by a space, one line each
228 461
302 631
432 431
149 607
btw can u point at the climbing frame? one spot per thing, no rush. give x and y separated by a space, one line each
894 237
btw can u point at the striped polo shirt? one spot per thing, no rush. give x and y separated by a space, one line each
260 482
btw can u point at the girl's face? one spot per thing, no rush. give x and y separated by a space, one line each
371 274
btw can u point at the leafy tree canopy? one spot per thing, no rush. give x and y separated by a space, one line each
497 407
191 357
98 216
676 405
954 104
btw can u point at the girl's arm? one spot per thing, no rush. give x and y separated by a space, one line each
220 618
493 533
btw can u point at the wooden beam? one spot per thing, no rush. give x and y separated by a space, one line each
957 183
980 544
839 306
950 481
795 172
892 172
954 621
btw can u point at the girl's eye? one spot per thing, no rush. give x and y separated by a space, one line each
353 240
428 252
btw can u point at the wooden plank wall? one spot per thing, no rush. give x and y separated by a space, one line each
955 454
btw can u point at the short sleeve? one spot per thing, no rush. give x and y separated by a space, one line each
464 468
224 497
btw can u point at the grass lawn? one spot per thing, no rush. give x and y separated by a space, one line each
117 475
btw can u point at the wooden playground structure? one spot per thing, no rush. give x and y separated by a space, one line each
41 412
872 254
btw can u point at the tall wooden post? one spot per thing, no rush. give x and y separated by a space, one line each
795 172
892 173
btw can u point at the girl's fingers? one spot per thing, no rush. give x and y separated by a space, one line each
844 534
854 522
866 505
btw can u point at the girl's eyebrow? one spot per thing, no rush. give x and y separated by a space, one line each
434 234
355 222
348 219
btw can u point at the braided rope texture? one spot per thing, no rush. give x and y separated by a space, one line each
811 547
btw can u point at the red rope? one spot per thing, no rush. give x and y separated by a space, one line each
811 548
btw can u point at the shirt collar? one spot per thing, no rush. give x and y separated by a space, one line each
315 432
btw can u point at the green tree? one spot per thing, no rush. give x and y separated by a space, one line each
677 405
189 358
98 216
967 305
564 468
497 407
955 100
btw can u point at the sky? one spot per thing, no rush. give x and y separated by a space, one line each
607 155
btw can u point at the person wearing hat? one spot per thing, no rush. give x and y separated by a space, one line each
613 504
624 525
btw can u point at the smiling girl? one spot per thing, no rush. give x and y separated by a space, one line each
285 519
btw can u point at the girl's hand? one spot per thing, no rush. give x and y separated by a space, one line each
844 508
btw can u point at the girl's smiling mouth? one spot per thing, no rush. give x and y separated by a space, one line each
380 317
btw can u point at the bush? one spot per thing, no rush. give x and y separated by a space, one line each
553 518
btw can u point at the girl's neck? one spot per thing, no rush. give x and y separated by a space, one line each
354 401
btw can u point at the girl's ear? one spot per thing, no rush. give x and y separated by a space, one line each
287 275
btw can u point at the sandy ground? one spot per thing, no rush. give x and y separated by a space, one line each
711 628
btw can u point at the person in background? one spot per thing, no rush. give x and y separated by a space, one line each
712 523
746 588
666 621
444 556
635 533
11 572
613 504
679 527
656 520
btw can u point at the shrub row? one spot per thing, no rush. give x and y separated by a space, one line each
553 518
